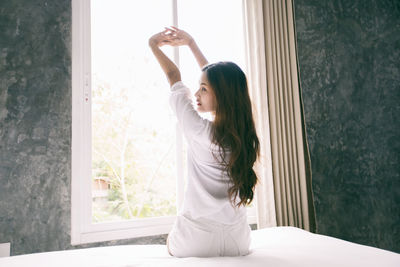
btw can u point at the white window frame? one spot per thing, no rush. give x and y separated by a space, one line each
82 228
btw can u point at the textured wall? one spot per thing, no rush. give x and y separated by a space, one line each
349 54
35 118
35 127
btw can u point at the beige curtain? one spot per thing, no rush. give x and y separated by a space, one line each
284 194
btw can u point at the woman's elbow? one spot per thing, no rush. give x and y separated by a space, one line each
173 77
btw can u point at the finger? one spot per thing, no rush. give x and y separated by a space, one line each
170 32
169 29
165 32
175 28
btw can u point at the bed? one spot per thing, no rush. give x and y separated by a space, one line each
275 247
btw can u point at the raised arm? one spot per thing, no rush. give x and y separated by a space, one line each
180 37
170 69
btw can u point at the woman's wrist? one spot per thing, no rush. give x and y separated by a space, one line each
154 46
191 43
153 43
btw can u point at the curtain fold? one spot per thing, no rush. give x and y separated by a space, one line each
256 74
275 90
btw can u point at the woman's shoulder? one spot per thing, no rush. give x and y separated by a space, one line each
179 85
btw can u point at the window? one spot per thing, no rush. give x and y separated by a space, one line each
127 151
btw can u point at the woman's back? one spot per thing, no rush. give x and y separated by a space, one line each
208 182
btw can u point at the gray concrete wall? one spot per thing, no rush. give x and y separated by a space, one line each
349 58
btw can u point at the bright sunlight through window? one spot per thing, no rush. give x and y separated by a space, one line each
135 141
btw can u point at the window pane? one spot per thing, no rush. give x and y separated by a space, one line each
133 130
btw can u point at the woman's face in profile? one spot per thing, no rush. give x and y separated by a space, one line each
205 97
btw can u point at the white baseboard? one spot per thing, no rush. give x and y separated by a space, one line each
4 250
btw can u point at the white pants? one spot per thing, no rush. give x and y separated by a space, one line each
206 238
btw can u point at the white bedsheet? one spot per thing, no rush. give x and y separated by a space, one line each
275 247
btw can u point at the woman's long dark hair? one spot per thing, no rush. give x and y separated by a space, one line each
233 128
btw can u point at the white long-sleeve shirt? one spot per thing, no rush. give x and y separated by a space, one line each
206 194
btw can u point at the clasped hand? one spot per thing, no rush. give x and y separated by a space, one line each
170 36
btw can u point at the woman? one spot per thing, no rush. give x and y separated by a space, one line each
221 154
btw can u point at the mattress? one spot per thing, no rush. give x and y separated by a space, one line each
275 247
